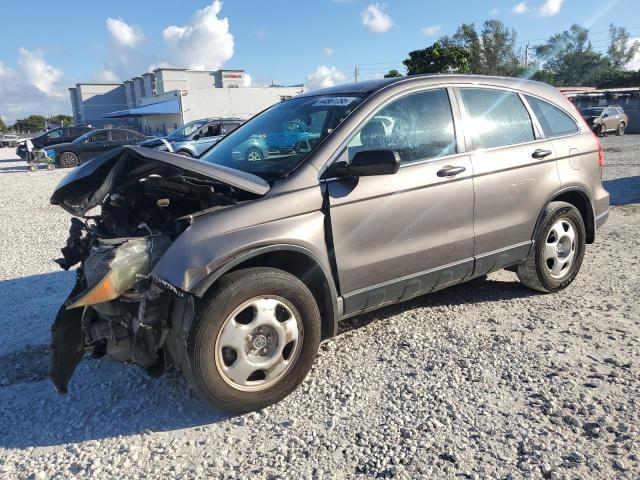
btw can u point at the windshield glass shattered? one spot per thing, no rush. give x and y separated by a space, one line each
276 141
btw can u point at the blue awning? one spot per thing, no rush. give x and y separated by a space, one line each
168 107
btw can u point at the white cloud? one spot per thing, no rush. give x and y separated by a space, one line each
5 71
39 73
246 80
550 7
520 8
34 88
124 34
494 12
126 57
376 19
205 43
328 51
431 30
324 77
634 64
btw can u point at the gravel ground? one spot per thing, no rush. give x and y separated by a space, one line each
483 380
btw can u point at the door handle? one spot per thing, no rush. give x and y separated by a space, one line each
450 171
539 153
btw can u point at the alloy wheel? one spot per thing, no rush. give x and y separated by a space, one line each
258 343
560 248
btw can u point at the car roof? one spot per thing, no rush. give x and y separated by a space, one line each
369 87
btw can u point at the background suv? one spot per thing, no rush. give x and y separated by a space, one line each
606 119
231 269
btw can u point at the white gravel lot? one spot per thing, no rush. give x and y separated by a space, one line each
483 380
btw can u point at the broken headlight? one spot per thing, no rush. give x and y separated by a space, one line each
111 270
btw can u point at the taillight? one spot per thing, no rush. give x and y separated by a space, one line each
600 153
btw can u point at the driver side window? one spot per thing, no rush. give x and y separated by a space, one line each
418 126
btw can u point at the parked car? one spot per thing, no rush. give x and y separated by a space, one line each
604 120
53 137
192 139
10 140
231 269
293 136
90 145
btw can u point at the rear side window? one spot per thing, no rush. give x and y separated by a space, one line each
496 118
418 126
554 121
98 136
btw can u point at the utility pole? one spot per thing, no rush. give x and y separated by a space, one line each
526 56
355 73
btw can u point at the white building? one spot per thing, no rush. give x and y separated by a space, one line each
157 103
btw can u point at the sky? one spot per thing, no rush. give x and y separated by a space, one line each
47 47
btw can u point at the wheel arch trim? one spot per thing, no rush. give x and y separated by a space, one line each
333 305
589 222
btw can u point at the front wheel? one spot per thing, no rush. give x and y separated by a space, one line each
253 340
253 155
68 160
620 130
558 250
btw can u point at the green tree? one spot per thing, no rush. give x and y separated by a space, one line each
492 51
569 58
621 49
392 74
33 123
3 126
467 37
438 58
61 118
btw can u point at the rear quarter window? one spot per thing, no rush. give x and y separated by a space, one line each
554 122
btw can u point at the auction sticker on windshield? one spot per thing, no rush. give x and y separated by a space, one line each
334 101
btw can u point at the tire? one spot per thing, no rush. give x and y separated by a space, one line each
228 315
542 270
620 129
254 154
184 153
68 160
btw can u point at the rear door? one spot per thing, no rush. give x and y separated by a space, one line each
610 117
396 236
514 173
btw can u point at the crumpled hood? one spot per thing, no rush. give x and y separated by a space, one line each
87 185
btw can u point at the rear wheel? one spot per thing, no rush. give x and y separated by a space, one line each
558 250
620 130
68 160
253 340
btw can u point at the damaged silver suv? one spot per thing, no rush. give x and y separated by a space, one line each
231 269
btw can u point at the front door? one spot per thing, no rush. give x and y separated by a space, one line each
396 236
94 145
514 172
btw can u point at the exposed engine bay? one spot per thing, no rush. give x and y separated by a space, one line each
128 209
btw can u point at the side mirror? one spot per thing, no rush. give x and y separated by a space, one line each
369 163
196 136
605 115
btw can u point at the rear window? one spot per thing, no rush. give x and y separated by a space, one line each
554 122
496 118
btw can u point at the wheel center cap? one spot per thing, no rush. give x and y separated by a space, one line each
259 342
